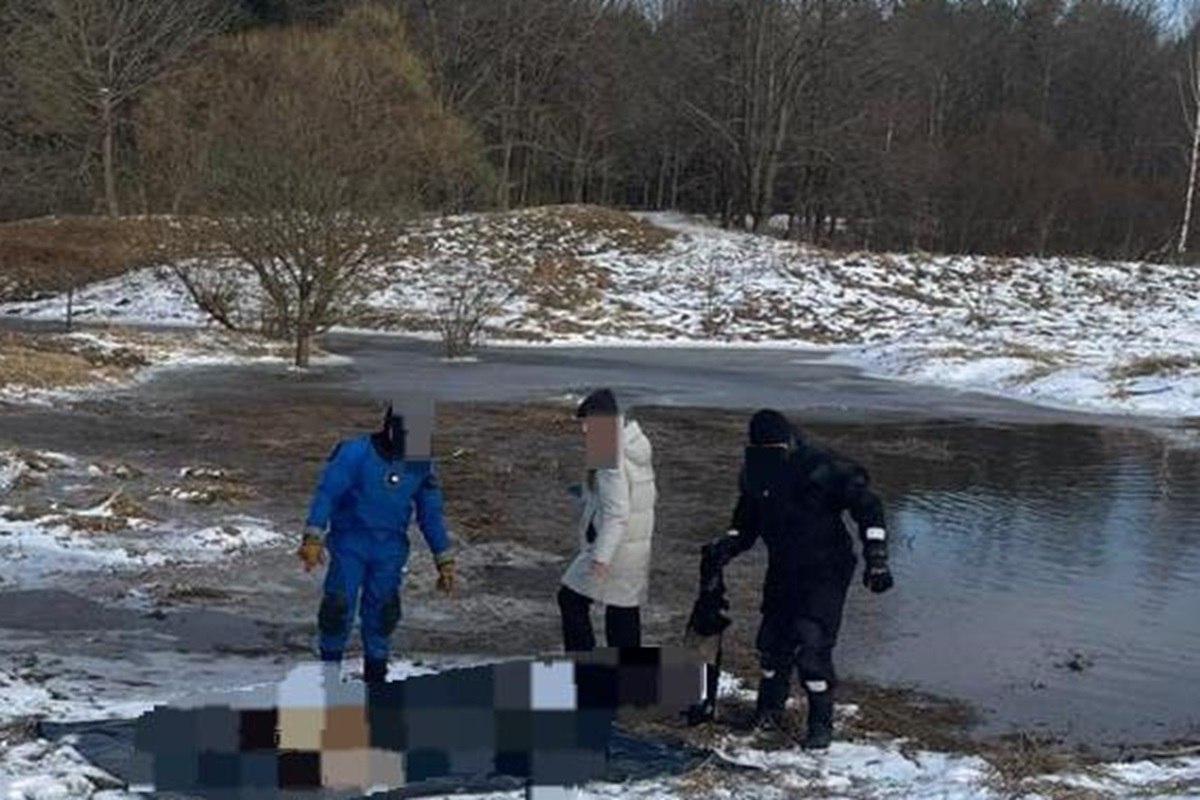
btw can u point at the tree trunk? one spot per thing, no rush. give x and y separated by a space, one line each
505 170
107 155
303 345
526 167
1185 227
660 196
304 329
579 167
675 167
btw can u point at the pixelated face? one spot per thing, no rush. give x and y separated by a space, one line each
420 416
601 442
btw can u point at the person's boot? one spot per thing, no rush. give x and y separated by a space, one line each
375 670
820 717
772 697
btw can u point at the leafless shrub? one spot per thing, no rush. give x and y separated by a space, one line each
473 295
716 313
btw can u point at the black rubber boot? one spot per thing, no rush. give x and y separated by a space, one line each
375 670
772 697
820 720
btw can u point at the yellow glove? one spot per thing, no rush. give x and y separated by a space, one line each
445 568
311 552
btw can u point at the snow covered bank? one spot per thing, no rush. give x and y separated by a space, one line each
1070 332
53 368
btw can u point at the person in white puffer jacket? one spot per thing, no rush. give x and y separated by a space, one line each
615 533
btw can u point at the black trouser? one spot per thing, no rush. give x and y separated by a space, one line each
803 632
622 625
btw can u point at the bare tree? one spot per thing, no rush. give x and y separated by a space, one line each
1192 116
317 145
84 61
472 295
757 61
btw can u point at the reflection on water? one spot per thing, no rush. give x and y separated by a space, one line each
1029 552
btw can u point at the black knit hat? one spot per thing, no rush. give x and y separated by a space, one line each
600 403
769 427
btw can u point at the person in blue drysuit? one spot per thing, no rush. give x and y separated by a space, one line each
365 498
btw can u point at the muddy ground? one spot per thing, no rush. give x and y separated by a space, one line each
505 470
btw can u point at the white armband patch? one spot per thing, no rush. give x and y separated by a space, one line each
817 686
732 532
876 534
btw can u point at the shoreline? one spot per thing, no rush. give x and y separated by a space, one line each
852 356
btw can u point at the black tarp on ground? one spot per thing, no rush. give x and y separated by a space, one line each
109 745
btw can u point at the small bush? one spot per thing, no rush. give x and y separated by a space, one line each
472 297
1148 366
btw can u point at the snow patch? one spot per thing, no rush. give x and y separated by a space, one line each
40 770
236 536
34 551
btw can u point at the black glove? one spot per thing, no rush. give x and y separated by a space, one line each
719 552
707 619
877 577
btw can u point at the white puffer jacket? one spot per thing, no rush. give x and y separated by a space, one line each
621 507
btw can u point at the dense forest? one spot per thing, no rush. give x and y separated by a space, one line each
1034 126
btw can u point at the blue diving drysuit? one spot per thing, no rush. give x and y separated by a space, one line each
365 498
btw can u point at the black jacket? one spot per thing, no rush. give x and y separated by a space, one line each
796 509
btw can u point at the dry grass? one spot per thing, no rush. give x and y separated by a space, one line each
1148 366
186 592
208 491
40 362
952 352
1037 372
83 523
923 720
18 731
509 239
42 369
564 282
1055 791
56 362
122 510
43 257
1035 354
123 505
27 512
119 470
625 232
1020 757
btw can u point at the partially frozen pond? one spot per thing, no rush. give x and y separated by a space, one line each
1051 576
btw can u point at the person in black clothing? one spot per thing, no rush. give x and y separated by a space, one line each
792 496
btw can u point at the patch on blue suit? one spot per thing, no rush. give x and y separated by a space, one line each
392 478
